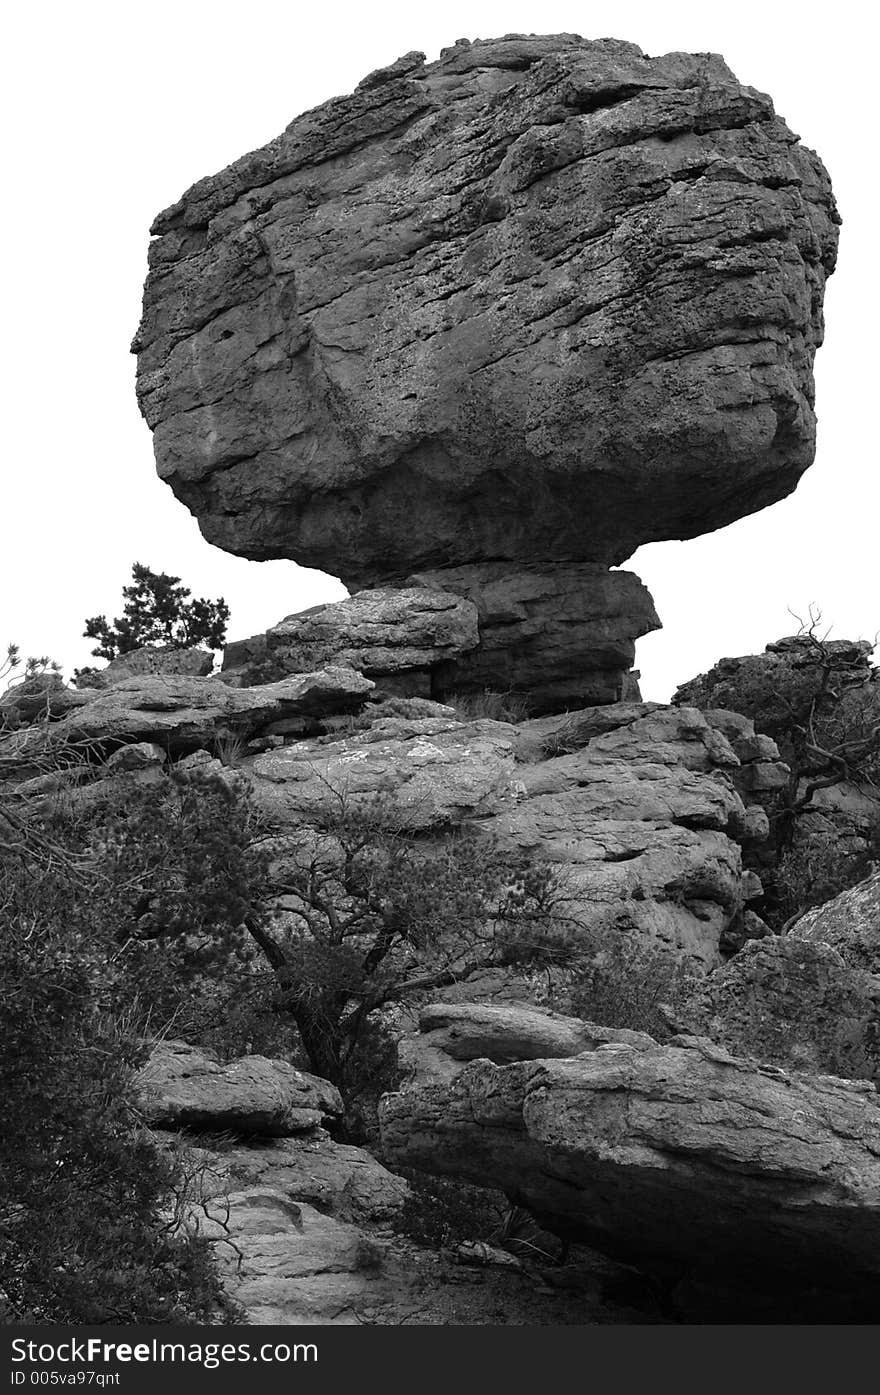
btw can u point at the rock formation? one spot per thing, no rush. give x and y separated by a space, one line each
850 924
632 804
466 339
533 304
703 1165
794 1003
186 713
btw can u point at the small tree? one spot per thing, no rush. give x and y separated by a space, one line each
157 611
366 915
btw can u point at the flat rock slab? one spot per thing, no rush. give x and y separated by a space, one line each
181 1087
544 299
678 1155
183 713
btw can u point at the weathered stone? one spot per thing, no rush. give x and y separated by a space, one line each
44 696
183 713
433 771
153 659
182 1087
396 637
337 1178
286 1263
768 688
802 683
544 299
677 1157
559 637
794 1003
515 1032
141 755
641 819
850 924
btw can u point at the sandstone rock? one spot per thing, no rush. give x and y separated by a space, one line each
794 1003
153 659
141 755
182 1087
45 695
396 637
183 713
678 1156
641 820
515 1032
336 1178
559 637
542 300
850 924
288 1264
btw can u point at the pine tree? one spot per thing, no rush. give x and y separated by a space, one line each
158 611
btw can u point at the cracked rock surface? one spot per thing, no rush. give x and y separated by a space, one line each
682 1153
542 300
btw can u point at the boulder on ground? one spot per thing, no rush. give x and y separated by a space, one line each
183 1087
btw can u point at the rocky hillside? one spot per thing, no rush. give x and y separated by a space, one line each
466 338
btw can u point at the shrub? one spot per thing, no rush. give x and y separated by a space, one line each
441 1213
625 983
84 1229
498 707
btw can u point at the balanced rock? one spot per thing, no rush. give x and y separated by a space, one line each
542 300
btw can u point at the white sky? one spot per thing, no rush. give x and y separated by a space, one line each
111 109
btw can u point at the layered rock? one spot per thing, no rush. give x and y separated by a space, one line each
395 637
547 639
185 714
542 300
556 637
640 818
681 1157
183 1087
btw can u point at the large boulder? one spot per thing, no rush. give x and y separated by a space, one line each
150 659
542 300
681 1158
849 924
396 637
183 1087
795 1003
